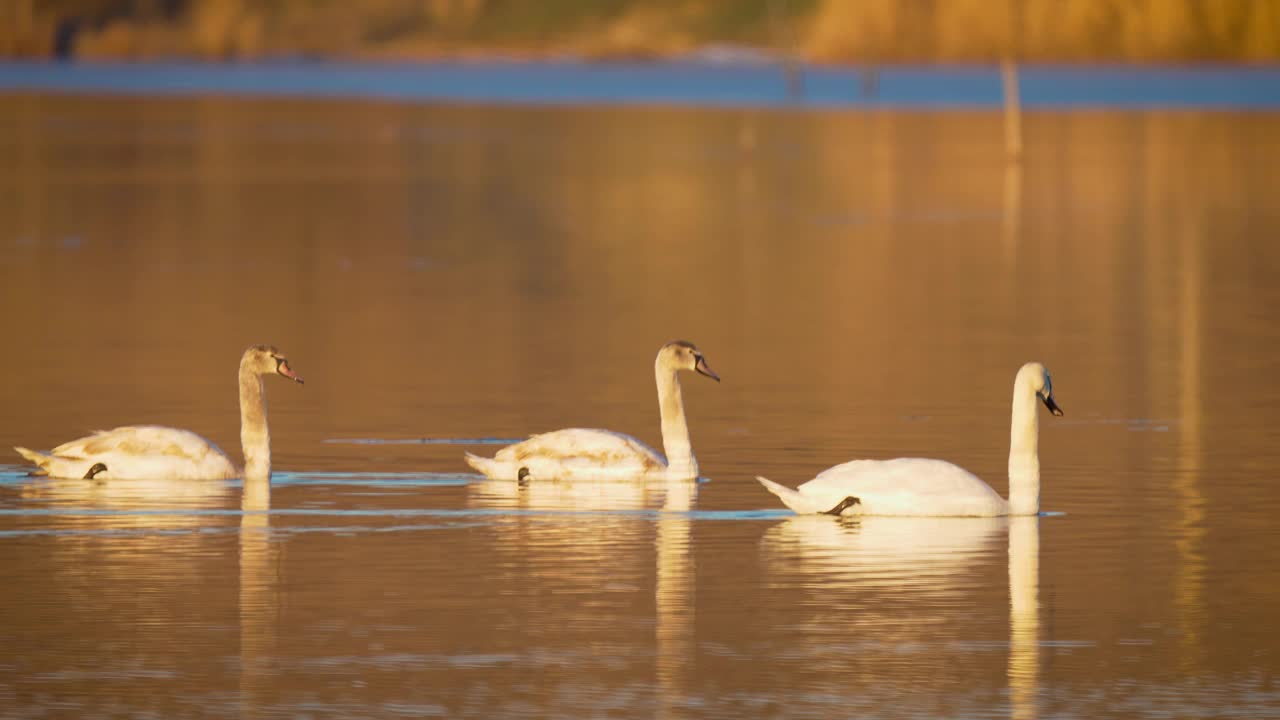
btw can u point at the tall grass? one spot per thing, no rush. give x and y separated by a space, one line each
830 30
1062 30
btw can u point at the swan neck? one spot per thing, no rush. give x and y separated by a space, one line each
255 436
675 429
1024 455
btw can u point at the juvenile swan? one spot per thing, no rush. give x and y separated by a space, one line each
921 487
594 454
150 452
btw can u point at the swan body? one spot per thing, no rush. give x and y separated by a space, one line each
575 453
152 452
903 486
934 488
585 454
137 452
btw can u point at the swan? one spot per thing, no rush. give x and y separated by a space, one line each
151 452
925 487
577 453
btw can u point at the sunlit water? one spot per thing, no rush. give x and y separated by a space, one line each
449 279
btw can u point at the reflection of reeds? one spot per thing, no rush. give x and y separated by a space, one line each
1012 110
1011 209
878 30
1190 579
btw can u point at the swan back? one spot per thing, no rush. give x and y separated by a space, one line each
580 453
906 487
140 452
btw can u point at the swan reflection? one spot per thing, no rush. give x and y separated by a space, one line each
674 591
130 504
1024 616
863 561
259 595
579 536
575 495
899 553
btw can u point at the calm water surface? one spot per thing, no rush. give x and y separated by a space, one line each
866 283
721 77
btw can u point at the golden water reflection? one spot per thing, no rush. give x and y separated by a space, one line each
865 282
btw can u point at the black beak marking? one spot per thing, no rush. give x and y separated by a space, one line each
1053 406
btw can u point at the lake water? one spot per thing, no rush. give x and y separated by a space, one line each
722 77
445 277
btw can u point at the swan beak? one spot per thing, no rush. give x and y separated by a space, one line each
284 369
703 368
1053 406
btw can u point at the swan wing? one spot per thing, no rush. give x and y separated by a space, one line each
579 450
137 440
906 486
148 451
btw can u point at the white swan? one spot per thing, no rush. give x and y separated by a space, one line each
922 487
601 454
147 452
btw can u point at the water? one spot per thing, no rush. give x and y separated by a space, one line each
715 78
449 277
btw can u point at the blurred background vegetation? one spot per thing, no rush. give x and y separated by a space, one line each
821 30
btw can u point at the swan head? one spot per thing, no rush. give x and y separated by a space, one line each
1036 376
268 360
683 355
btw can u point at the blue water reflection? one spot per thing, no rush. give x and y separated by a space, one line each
677 83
